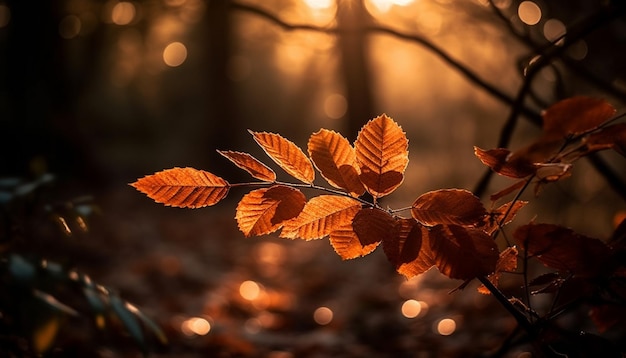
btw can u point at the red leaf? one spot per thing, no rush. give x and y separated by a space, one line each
460 252
563 249
183 187
576 115
499 160
611 137
448 206
264 211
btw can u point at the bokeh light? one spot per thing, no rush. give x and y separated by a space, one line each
446 326
554 29
175 54
5 15
123 13
249 290
323 315
529 13
335 106
411 308
195 326
319 4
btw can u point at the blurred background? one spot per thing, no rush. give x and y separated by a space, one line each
95 94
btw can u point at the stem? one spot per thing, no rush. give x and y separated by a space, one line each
521 319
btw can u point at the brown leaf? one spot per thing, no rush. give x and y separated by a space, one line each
448 206
250 164
460 252
576 115
611 137
382 153
404 250
373 225
335 158
508 190
507 262
347 244
264 211
499 161
183 187
563 249
287 155
496 217
320 216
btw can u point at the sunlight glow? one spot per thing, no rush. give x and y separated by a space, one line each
446 327
411 308
123 13
249 290
385 5
529 13
323 316
175 54
319 4
195 326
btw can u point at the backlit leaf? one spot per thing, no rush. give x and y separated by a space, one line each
250 164
404 250
287 155
347 244
373 226
264 211
321 216
507 262
576 115
498 161
496 217
183 187
335 158
611 137
448 206
460 252
563 249
382 153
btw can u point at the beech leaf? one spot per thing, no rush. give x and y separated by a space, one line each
264 211
563 249
576 115
373 225
183 187
404 250
347 244
460 252
320 216
287 155
250 164
611 137
496 217
507 262
382 153
335 158
499 161
448 206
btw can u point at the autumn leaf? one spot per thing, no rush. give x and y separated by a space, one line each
576 115
287 155
183 187
320 216
563 249
496 218
345 241
404 250
460 252
448 206
250 164
611 137
264 211
335 158
499 161
382 153
507 262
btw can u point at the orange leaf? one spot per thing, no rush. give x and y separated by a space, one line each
448 206
335 158
373 225
507 262
183 187
320 216
382 153
499 160
404 249
347 244
460 252
250 164
287 155
576 115
264 211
